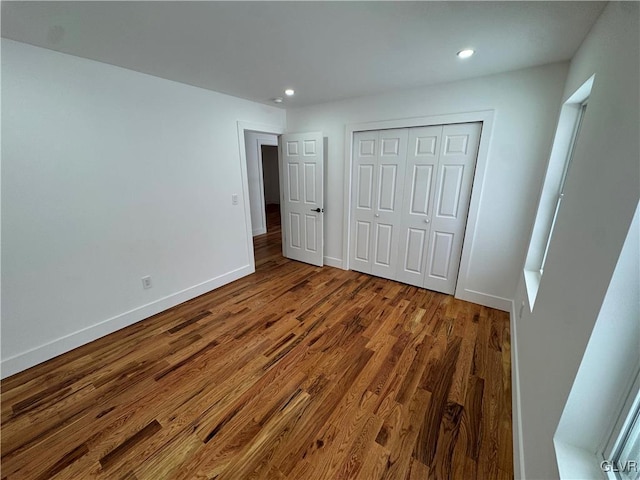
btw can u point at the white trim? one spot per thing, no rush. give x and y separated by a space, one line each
491 301
254 127
333 262
631 404
564 141
263 218
262 228
477 190
576 463
532 285
30 358
487 119
582 93
516 410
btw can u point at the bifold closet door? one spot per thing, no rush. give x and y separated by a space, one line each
379 167
419 185
365 159
388 206
410 200
452 193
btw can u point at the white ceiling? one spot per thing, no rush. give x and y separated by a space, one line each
324 50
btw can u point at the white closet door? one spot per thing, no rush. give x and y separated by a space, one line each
392 158
365 170
419 185
454 179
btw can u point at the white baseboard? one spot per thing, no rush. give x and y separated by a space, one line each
516 411
28 359
485 299
333 262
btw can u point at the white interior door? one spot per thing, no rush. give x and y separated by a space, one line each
389 180
417 208
365 170
379 166
456 166
410 200
302 188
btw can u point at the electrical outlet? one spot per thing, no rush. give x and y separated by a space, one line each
146 282
234 199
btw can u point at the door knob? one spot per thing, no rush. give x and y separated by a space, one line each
377 215
426 220
317 209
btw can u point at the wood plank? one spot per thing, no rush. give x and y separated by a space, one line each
294 372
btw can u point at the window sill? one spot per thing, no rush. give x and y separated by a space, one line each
532 283
577 463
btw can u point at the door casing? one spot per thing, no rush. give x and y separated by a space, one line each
487 119
255 127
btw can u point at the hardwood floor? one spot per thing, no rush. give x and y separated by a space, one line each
295 372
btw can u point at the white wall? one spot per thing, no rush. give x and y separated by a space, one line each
526 103
253 142
109 175
611 359
601 196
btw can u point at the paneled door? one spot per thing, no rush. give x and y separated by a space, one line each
301 159
379 165
392 154
365 171
419 186
456 166
410 198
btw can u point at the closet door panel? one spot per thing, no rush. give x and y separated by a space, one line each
391 169
363 200
415 221
454 178
388 188
363 241
410 199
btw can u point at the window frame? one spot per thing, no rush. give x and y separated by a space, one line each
626 421
565 171
565 144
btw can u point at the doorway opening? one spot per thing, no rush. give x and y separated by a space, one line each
252 177
271 182
302 178
267 246
264 193
254 143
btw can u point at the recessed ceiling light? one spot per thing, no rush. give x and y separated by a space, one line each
277 100
466 53
289 92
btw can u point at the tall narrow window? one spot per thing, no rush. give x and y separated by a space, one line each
563 151
627 459
563 181
621 454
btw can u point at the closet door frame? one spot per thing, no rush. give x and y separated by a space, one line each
487 119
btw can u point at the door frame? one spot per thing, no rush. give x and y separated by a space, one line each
262 228
263 198
487 118
242 128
